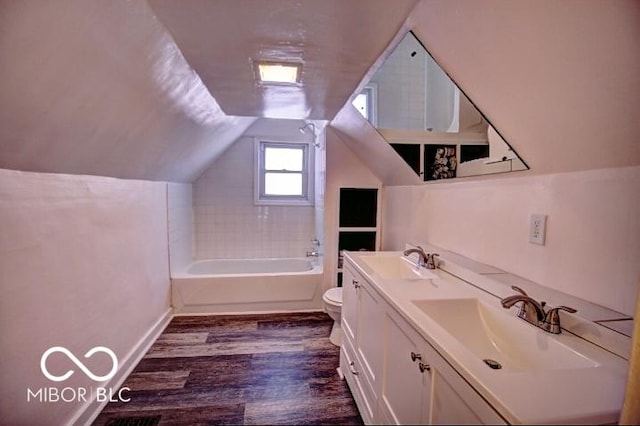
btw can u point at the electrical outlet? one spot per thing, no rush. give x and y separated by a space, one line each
537 225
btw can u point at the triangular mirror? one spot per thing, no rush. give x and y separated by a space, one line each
429 121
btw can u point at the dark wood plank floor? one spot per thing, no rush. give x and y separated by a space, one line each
255 369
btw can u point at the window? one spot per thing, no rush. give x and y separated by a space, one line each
284 173
366 103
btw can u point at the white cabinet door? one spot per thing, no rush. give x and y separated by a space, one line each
405 393
368 342
349 304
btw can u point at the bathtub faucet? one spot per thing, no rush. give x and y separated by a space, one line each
315 250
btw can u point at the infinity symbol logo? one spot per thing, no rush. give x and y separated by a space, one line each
76 361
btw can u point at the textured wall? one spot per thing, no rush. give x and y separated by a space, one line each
83 263
593 224
100 88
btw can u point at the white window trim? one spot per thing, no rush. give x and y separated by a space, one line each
372 97
370 91
258 180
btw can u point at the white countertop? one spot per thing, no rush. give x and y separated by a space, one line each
581 395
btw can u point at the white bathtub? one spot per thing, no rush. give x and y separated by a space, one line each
247 285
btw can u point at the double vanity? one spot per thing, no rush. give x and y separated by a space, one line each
425 346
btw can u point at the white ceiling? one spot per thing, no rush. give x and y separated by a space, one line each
158 90
336 41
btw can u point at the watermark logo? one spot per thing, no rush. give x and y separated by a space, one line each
76 361
78 394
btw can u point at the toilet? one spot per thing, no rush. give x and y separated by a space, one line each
332 305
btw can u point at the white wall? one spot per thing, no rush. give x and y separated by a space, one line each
320 187
593 228
83 263
558 79
228 224
344 170
180 225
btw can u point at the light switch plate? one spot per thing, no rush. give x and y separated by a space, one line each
537 227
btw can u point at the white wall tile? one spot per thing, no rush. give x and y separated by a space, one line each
181 216
229 225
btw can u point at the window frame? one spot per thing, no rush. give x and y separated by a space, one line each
370 92
307 172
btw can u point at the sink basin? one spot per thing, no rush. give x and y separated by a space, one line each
397 267
490 333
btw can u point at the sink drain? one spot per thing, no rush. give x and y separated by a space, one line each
492 363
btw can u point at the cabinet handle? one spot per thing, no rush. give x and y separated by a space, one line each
424 367
355 283
415 356
354 372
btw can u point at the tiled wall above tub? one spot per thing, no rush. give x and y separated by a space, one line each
228 224
180 218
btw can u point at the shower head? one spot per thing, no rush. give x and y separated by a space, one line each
312 126
304 128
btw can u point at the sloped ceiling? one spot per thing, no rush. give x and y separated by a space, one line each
336 42
371 148
558 79
100 88
121 88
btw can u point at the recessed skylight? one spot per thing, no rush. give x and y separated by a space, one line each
283 73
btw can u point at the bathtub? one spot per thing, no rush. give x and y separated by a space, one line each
247 285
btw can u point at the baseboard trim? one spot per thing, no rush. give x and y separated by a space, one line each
88 413
248 312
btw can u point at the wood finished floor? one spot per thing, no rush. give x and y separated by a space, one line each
254 369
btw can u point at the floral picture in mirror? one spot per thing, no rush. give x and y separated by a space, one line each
440 161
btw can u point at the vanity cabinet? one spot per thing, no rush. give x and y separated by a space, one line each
405 385
361 362
395 375
419 386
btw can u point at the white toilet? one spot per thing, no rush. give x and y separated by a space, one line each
332 304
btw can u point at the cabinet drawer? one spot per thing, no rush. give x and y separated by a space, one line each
357 383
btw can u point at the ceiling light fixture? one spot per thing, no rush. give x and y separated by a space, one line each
279 72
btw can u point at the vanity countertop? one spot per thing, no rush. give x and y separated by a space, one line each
591 392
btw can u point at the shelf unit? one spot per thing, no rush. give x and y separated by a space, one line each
419 156
358 223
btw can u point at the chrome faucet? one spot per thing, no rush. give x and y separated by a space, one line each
431 261
423 257
552 318
533 312
426 260
315 251
530 310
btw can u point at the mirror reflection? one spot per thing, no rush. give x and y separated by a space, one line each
429 121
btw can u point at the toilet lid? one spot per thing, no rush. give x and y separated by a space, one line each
334 294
